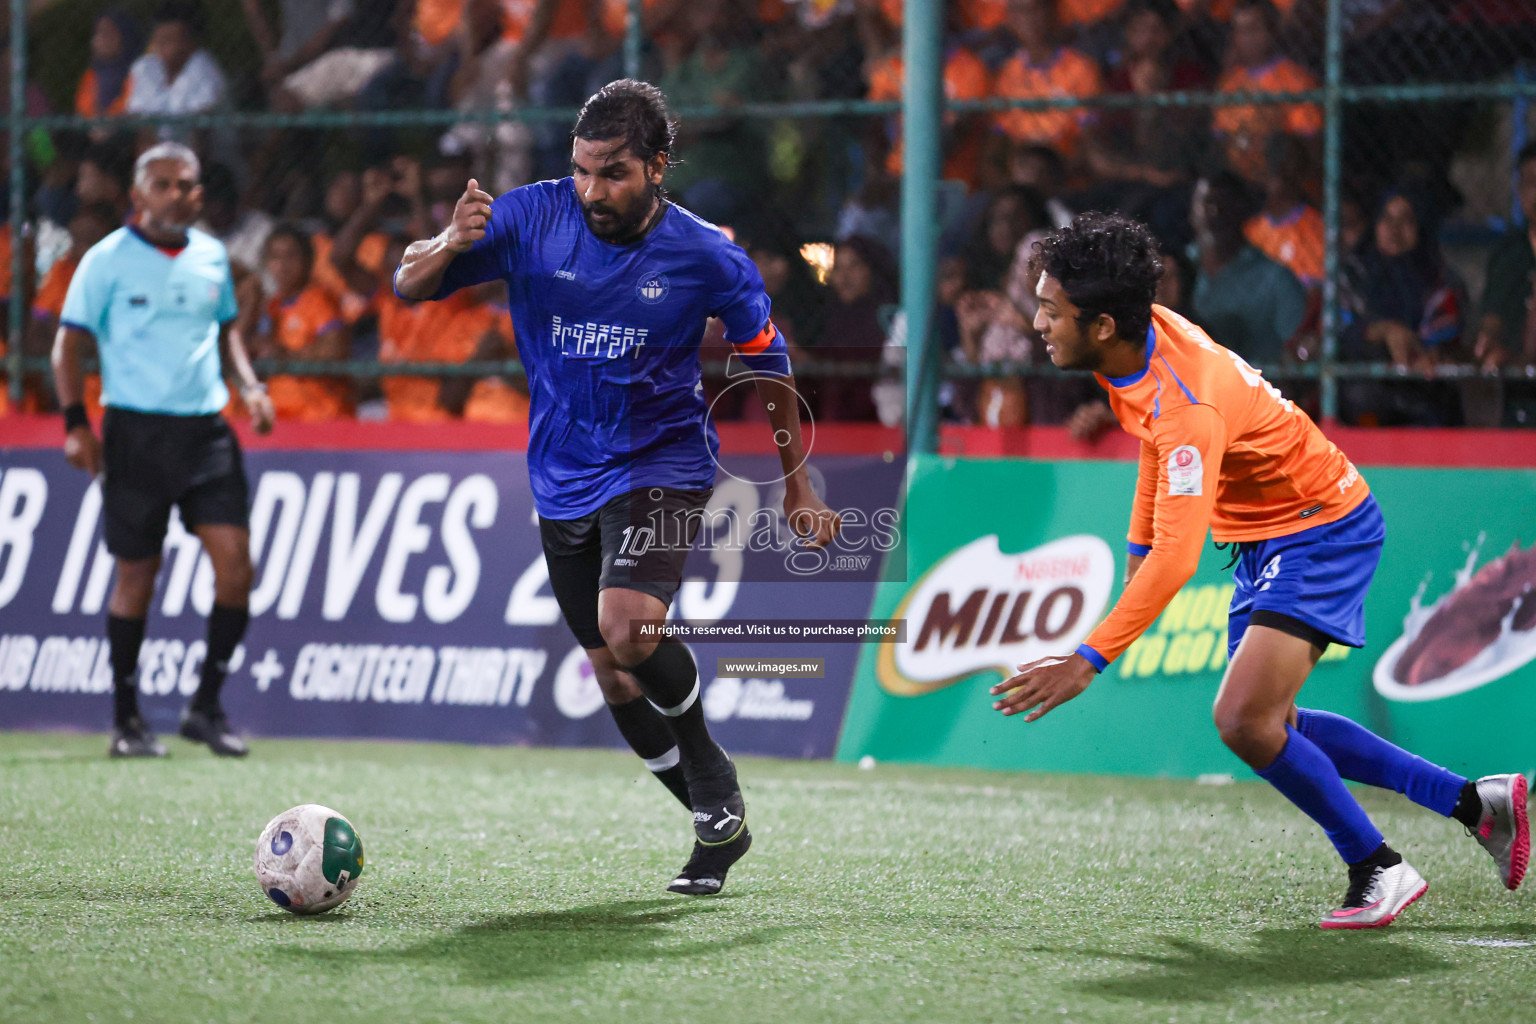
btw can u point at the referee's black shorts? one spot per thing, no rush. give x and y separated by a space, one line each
636 541
152 461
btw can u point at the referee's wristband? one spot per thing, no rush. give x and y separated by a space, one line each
246 389
74 416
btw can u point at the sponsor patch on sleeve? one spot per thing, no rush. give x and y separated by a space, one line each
1185 474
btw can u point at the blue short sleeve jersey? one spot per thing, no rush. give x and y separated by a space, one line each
156 316
609 337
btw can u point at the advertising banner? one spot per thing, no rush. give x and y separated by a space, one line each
1016 560
405 595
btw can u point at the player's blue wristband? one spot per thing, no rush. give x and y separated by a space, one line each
1138 549
1093 657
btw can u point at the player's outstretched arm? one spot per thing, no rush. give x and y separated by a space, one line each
1190 440
1043 685
1050 682
808 515
81 446
421 271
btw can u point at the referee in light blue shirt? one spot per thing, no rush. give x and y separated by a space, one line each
157 299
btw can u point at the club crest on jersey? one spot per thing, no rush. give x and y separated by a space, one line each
1185 474
652 288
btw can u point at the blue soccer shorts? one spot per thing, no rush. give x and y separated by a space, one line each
1311 584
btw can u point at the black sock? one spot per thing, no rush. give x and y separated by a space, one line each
226 626
649 736
670 680
1384 857
1469 806
125 637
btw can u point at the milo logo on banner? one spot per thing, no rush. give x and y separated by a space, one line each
979 608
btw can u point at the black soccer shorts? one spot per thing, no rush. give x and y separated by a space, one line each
638 541
151 462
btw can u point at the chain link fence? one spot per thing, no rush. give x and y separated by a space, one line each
333 132
1349 218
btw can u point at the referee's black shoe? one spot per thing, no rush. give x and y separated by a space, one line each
132 738
704 874
212 727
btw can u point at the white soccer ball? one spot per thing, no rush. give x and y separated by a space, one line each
308 859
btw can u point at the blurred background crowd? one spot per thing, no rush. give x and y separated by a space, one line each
1436 258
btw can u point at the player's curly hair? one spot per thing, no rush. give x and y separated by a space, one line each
633 111
1108 265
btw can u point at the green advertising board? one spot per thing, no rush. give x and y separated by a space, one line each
1016 560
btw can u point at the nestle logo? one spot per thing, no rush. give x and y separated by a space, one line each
981 609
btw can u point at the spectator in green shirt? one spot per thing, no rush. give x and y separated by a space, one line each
1506 332
725 154
1245 300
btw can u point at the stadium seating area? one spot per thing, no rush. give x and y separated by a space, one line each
314 217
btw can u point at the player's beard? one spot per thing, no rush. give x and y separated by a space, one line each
628 226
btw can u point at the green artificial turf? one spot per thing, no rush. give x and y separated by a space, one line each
527 885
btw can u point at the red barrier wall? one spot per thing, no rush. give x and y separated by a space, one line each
1378 447
20 431
1489 449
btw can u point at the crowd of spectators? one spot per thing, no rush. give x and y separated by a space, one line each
315 218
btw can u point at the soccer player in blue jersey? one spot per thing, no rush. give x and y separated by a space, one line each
610 287
157 299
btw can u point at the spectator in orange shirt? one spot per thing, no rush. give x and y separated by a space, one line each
965 78
977 16
1086 13
459 329
1288 229
115 44
91 223
300 321
350 195
496 399
1043 67
1257 66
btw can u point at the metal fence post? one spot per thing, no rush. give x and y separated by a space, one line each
14 141
632 38
1333 137
922 101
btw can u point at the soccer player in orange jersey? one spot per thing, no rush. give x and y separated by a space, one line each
1222 448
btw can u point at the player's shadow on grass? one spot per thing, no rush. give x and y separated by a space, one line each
513 948
1277 959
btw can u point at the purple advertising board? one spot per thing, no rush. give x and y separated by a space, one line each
404 595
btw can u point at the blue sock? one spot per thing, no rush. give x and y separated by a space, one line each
1309 780
1362 756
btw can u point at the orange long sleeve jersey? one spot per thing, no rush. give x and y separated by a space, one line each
1220 448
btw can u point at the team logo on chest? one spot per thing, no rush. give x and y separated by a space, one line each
652 288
